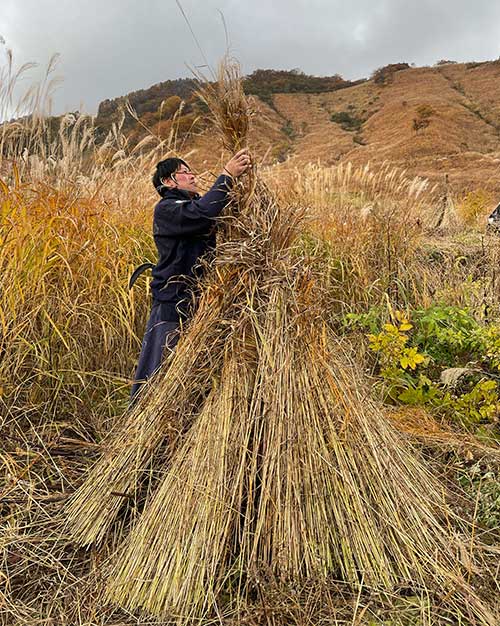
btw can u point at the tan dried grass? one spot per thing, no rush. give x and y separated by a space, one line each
276 464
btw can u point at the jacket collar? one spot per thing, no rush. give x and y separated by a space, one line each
180 194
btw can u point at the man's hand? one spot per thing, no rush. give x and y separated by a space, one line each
238 164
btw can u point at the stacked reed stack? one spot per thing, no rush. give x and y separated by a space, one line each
268 459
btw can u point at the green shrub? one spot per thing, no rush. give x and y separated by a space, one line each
448 334
410 358
288 129
480 405
346 120
423 117
489 338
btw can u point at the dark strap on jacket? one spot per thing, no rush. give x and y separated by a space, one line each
138 271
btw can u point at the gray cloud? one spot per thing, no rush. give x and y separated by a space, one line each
111 47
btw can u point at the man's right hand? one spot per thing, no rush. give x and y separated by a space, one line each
239 164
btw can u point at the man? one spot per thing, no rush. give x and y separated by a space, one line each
184 231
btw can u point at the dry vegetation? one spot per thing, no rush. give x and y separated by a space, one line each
431 121
459 138
75 220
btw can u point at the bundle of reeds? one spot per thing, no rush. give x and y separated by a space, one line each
256 453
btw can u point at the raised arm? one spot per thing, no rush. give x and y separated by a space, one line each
175 218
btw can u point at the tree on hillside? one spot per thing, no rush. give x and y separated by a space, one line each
385 75
423 117
264 83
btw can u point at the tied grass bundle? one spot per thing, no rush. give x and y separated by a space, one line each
290 471
272 461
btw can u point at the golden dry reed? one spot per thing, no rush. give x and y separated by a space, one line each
74 222
269 460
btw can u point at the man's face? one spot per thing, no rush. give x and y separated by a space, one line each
183 179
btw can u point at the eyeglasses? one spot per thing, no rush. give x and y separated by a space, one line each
186 172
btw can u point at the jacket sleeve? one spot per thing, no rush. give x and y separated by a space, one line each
174 218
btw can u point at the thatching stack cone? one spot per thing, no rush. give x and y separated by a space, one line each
269 459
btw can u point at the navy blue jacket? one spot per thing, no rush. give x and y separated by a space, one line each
184 231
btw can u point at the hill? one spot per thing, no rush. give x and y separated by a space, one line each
430 121
440 122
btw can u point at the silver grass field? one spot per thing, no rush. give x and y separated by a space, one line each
257 480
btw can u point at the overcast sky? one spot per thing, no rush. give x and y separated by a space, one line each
111 47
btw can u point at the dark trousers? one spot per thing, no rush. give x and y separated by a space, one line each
160 338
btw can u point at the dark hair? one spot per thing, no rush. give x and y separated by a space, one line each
165 169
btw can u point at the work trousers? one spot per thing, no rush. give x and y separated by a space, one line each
160 338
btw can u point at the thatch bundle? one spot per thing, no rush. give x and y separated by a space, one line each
256 454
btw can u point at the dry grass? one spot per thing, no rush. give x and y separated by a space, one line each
370 226
376 231
460 141
65 310
277 464
277 539
457 143
74 223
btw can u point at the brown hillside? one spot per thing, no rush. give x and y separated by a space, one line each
440 122
430 121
